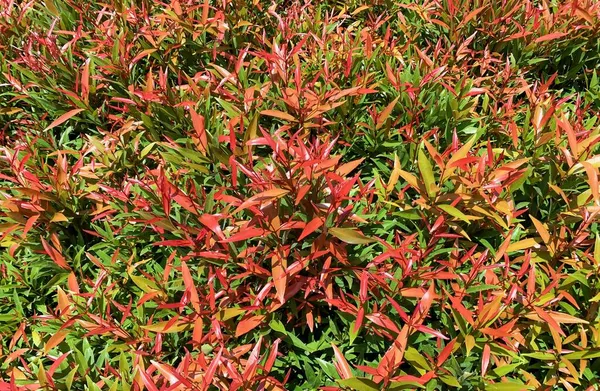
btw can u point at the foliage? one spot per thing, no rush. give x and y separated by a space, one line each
238 195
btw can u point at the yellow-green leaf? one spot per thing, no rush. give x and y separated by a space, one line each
174 328
426 173
144 284
454 212
450 380
507 386
360 384
410 178
395 175
229 313
524 244
417 360
350 235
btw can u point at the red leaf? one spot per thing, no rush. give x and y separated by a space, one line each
190 286
244 235
272 356
265 196
55 255
364 284
252 362
311 227
210 371
147 380
63 118
485 359
359 319
211 222
445 353
56 363
341 365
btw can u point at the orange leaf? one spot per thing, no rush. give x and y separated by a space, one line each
167 372
146 379
542 230
63 118
571 137
523 245
549 37
199 127
248 324
252 362
85 81
347 168
63 302
56 338
278 114
544 316
279 265
265 196
383 116
470 16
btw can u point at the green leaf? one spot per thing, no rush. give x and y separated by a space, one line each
505 369
147 149
583 354
540 356
328 368
276 325
70 377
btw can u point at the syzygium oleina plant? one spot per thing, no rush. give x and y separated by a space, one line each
299 195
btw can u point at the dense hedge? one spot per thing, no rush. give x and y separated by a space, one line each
243 195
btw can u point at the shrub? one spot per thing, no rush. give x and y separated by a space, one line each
299 195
